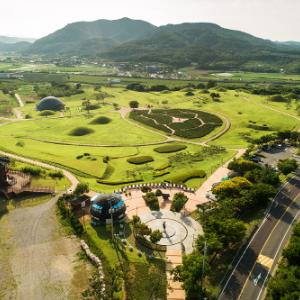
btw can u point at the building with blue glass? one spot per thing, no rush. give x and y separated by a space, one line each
107 208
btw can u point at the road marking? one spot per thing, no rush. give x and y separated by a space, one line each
265 261
282 240
270 234
254 235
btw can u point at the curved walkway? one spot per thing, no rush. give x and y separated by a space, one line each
73 180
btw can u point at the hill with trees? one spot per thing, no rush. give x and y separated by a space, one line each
90 38
204 45
210 47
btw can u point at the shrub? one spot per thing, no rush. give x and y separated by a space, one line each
158 193
80 131
105 159
46 113
33 171
170 148
182 178
28 116
151 201
277 98
189 94
56 175
146 189
179 200
20 144
139 160
81 188
163 167
286 166
101 121
155 236
133 104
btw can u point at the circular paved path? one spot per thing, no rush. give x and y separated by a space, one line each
180 232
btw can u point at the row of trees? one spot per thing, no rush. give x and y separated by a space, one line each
223 222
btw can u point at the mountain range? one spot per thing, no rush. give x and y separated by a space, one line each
205 45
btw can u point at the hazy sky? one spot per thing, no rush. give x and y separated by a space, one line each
272 19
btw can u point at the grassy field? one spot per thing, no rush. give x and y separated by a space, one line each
48 138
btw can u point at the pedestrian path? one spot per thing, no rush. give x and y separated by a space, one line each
174 289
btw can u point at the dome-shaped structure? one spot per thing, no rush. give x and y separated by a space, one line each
50 103
106 206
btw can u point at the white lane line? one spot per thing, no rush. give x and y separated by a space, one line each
278 249
254 235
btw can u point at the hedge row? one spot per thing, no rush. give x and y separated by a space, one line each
139 160
120 182
137 116
196 132
182 178
170 148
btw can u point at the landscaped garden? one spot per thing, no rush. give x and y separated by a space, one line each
189 124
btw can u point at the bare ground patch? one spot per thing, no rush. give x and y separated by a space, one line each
40 261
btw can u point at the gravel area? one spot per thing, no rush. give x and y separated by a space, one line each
37 260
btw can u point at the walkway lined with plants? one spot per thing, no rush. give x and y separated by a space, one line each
73 180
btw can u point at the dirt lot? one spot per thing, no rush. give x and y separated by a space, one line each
37 260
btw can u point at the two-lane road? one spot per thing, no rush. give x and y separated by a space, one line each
254 266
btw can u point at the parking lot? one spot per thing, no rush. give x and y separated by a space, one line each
273 155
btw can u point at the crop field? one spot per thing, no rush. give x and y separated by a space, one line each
108 148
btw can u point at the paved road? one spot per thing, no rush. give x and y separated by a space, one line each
248 278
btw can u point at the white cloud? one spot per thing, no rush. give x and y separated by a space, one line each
274 19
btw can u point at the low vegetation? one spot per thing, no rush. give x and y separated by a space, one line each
101 121
184 123
140 160
80 131
170 148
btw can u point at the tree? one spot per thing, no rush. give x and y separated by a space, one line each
242 165
155 236
81 188
211 84
87 105
229 231
231 188
190 273
178 202
134 104
286 166
259 195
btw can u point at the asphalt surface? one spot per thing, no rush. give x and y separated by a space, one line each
257 262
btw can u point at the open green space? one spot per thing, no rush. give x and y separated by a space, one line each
101 156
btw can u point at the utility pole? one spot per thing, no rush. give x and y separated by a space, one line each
112 221
203 265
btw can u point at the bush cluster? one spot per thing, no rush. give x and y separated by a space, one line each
182 178
80 131
140 160
151 201
170 148
101 121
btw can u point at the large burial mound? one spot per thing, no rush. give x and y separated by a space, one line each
186 123
50 103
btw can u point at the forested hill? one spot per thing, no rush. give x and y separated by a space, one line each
208 45
204 44
91 38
